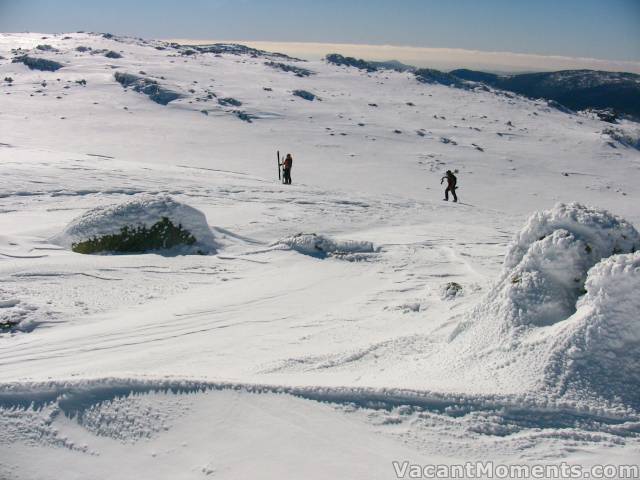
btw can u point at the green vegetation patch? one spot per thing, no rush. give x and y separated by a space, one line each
162 235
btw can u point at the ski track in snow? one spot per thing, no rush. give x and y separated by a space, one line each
171 364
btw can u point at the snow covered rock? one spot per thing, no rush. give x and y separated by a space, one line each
141 212
598 350
450 291
562 316
546 266
322 246
16 315
605 232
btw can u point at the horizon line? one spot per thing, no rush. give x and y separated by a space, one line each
447 57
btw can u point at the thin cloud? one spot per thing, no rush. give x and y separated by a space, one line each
442 58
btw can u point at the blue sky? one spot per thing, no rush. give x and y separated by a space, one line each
607 29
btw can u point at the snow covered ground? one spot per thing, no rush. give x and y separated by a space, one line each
324 355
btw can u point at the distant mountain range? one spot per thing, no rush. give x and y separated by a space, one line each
575 89
609 94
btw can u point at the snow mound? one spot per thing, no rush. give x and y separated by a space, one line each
450 291
140 211
563 314
598 350
16 315
604 231
321 246
546 266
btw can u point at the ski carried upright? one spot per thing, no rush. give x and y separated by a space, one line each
279 165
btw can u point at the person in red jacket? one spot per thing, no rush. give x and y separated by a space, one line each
286 169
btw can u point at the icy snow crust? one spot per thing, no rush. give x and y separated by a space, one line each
452 341
141 210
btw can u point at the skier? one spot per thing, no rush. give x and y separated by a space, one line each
451 185
286 169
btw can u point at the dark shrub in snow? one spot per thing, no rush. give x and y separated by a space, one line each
338 59
112 54
82 49
46 48
234 49
244 116
626 138
429 75
162 235
299 71
228 101
38 63
608 115
147 86
304 94
142 223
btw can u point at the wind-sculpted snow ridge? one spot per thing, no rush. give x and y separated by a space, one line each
140 211
432 76
321 246
564 309
74 397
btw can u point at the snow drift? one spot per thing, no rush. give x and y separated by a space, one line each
322 246
598 350
140 211
563 313
546 266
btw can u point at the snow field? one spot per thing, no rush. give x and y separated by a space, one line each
272 354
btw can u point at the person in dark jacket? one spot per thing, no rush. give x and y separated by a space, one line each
451 185
286 169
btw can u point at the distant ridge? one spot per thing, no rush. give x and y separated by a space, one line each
575 89
609 94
